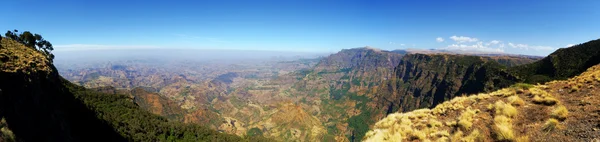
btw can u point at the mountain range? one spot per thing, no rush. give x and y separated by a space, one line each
355 94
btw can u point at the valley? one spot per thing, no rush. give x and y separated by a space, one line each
346 96
300 71
322 99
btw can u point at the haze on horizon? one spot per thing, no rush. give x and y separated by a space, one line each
307 26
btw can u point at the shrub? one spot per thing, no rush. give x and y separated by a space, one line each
254 132
560 113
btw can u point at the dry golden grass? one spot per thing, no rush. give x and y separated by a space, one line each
516 100
502 129
523 139
475 136
457 136
465 121
511 114
15 57
505 109
550 125
18 58
560 113
574 88
544 100
542 97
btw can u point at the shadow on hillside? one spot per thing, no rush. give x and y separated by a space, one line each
38 108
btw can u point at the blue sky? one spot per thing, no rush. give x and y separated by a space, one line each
533 27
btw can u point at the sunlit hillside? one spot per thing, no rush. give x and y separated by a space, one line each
555 111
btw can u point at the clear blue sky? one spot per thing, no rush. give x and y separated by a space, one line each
513 26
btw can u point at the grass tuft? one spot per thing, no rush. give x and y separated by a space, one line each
550 125
457 136
475 136
549 101
560 113
516 100
505 109
418 135
542 97
503 129
574 88
465 121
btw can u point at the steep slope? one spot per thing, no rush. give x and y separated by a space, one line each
561 64
556 111
39 105
336 88
351 70
423 81
511 60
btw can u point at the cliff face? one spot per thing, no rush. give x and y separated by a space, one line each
354 70
522 112
423 81
35 104
360 59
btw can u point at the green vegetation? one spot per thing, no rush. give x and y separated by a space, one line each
523 86
254 132
34 41
6 134
360 123
337 94
562 64
135 124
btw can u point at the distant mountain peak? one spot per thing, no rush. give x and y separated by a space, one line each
364 48
372 48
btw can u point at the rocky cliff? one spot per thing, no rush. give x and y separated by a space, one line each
563 110
423 81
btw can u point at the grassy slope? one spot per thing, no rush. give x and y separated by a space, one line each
556 111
